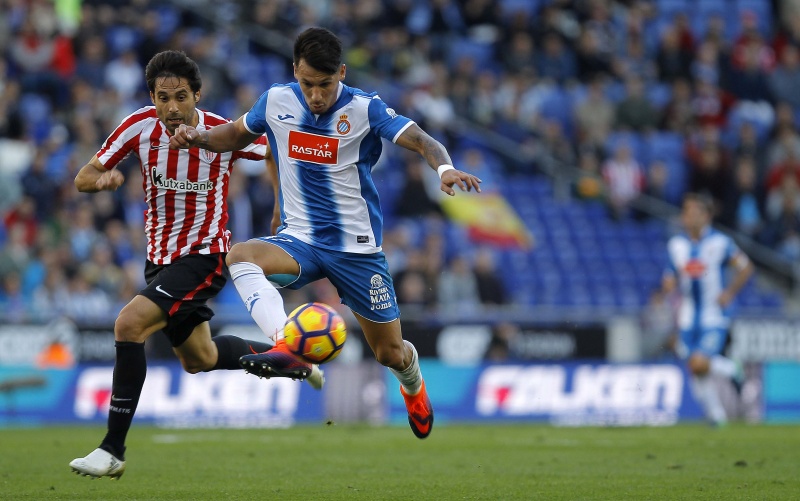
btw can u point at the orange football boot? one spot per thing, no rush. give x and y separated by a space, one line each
420 411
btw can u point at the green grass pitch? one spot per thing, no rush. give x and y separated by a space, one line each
504 462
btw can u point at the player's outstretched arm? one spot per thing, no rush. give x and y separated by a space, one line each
93 177
230 136
416 139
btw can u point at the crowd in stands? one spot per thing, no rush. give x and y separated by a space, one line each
651 97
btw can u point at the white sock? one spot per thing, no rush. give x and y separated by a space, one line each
706 394
410 377
723 366
261 298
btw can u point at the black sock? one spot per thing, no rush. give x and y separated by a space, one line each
230 348
130 370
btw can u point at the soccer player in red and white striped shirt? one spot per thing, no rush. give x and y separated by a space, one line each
185 192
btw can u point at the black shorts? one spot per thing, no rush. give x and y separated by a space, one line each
182 288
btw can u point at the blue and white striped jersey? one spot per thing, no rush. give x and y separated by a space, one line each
700 269
327 196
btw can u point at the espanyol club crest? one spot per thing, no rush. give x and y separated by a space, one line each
343 126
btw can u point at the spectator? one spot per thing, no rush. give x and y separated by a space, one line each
13 305
411 282
589 183
556 61
710 175
40 187
555 150
785 80
101 272
673 60
711 104
124 74
749 80
413 200
85 302
15 254
624 180
490 288
657 182
788 168
782 230
747 144
91 65
635 112
594 116
635 62
743 205
458 287
592 61
23 215
706 67
520 54
679 114
784 140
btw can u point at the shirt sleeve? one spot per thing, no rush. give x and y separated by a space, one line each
734 256
385 122
257 150
122 142
255 120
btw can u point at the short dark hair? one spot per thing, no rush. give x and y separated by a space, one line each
705 201
321 49
172 63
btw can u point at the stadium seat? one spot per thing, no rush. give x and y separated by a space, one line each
169 19
659 94
633 140
511 8
759 8
481 54
121 38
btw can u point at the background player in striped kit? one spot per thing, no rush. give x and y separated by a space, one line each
326 137
698 262
187 241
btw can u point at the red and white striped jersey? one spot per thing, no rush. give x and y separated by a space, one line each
185 190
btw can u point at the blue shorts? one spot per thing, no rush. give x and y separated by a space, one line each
708 341
362 280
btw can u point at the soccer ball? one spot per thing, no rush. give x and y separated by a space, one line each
315 332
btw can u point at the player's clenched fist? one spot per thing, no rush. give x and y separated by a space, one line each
185 136
110 180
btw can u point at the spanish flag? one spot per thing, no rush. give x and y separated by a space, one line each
489 218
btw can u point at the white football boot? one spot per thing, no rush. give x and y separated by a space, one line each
317 377
98 463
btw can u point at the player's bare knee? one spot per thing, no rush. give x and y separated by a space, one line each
194 365
240 253
128 327
390 357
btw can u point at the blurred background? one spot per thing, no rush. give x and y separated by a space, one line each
537 300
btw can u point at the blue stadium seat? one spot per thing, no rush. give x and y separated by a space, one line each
169 19
634 140
760 8
482 54
38 113
275 69
121 38
672 7
510 8
659 94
